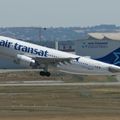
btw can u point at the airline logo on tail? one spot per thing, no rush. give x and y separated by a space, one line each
117 58
112 58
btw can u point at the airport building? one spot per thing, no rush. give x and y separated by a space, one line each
98 45
95 45
67 46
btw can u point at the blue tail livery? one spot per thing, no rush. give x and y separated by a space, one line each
112 58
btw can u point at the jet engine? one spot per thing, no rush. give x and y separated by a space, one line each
25 61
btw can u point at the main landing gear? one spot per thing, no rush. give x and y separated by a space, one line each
43 73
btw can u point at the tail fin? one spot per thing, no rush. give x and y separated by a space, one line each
112 58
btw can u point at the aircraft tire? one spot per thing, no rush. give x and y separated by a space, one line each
48 74
42 73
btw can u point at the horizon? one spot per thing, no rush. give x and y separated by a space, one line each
61 26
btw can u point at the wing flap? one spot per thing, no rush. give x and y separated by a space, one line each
53 60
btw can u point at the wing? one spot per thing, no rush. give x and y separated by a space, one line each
36 62
53 61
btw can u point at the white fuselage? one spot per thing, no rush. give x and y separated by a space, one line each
10 48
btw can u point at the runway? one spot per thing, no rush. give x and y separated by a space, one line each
55 83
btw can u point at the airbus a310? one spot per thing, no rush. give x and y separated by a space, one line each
34 56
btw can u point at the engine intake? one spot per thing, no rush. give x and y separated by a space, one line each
25 61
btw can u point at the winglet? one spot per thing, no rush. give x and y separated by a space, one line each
77 58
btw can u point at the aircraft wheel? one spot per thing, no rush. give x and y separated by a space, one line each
48 74
42 73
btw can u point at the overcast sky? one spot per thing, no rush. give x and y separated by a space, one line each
56 13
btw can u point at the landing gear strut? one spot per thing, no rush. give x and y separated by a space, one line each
43 73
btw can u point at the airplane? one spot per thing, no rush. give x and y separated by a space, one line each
34 56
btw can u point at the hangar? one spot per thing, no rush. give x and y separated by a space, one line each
98 45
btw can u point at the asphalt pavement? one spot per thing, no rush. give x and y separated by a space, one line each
56 83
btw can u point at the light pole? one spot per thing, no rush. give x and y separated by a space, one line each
40 32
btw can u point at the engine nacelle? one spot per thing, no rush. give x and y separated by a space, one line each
25 61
